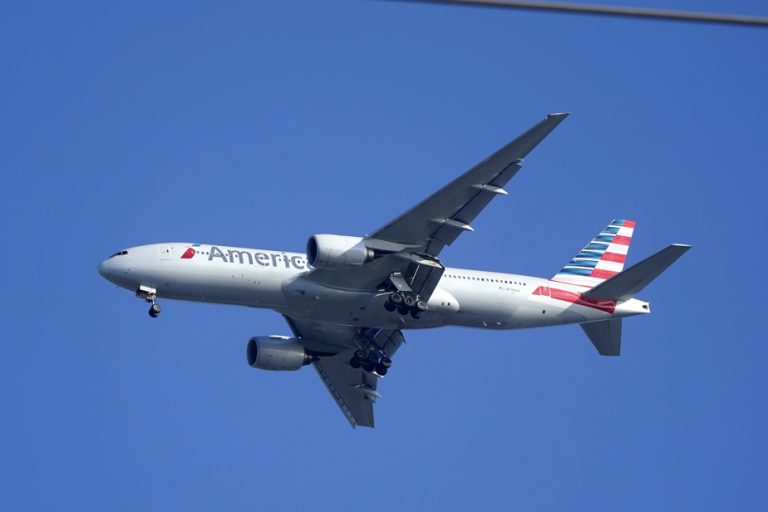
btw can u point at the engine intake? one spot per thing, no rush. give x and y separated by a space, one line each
337 251
278 353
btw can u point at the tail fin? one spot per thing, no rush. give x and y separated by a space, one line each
600 259
630 282
605 336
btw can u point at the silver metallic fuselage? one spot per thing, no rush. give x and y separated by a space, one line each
278 280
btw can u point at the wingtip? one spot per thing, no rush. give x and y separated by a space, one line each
558 115
683 246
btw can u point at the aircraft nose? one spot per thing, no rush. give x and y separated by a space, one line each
103 269
113 268
117 269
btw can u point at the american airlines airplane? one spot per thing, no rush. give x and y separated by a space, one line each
348 299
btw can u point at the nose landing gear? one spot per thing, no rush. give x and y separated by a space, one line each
154 310
150 295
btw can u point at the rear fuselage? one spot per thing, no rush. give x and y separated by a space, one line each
278 280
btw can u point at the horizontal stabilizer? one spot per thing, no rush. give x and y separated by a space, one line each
605 336
629 283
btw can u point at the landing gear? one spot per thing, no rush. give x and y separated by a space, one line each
383 366
373 361
150 295
405 302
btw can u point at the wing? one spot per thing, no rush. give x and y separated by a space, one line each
416 238
442 217
353 389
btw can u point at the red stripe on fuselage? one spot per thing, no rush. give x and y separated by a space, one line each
609 306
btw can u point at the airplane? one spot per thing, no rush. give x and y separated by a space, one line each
348 299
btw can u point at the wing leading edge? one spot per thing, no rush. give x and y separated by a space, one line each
442 217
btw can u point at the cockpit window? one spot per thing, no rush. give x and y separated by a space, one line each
121 253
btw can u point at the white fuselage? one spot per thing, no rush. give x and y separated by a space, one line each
277 280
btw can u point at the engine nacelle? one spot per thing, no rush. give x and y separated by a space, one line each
278 353
337 251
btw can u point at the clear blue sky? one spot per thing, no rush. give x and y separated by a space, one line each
259 124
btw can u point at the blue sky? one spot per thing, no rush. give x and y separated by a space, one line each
259 125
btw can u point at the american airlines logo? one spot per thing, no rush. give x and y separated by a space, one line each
244 257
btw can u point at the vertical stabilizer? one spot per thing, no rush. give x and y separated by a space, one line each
600 259
605 336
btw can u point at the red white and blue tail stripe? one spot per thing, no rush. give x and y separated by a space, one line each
600 259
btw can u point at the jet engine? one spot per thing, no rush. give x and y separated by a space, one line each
276 353
337 251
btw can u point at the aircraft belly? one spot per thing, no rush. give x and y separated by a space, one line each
307 300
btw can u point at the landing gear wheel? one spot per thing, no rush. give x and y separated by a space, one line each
396 298
416 314
409 301
154 310
386 362
421 305
355 363
390 306
403 310
381 369
369 367
361 355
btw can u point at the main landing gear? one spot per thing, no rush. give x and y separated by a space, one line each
371 361
406 302
149 295
404 299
